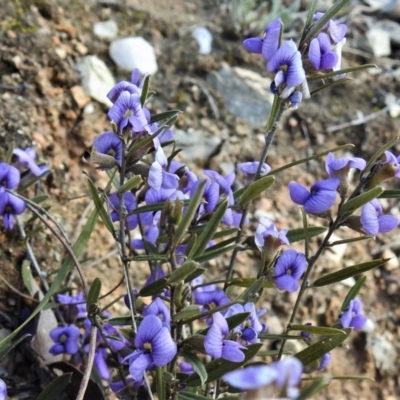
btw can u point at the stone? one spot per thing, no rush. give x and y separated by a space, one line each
379 40
97 79
384 352
204 39
134 52
106 29
246 94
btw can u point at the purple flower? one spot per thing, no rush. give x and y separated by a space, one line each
158 178
100 363
324 361
295 98
74 306
338 167
374 221
321 197
132 87
284 374
10 206
65 339
217 346
159 309
352 316
127 111
337 32
130 204
9 177
110 144
154 347
26 158
3 390
268 237
269 44
119 388
211 195
250 169
287 65
114 337
320 53
186 368
288 269
211 298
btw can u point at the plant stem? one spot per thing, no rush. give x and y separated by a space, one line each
269 137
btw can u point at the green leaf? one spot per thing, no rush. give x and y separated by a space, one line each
341 71
306 234
199 271
295 235
183 271
353 292
349 272
149 257
191 396
350 240
152 207
252 292
145 90
208 231
275 110
255 189
161 383
317 350
310 16
313 157
379 154
197 365
329 85
121 321
133 182
316 385
352 377
26 183
317 330
94 293
165 115
98 202
27 276
360 200
390 194
219 367
54 389
154 288
10 152
6 349
65 269
187 312
318 26
40 199
226 232
247 282
271 336
212 253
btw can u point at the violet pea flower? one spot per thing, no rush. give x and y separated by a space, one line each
65 339
336 31
130 204
320 53
110 144
3 390
324 361
374 221
159 309
268 237
289 268
26 158
352 316
9 177
10 206
337 167
132 87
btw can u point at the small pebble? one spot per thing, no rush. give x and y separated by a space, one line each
204 39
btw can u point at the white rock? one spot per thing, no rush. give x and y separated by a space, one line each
379 40
369 326
106 29
134 52
384 352
337 252
204 39
97 79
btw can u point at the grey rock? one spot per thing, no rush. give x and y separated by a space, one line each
392 27
379 40
384 352
106 29
203 38
246 94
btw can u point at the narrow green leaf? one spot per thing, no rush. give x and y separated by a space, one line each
197 365
40 199
341 71
191 396
318 26
255 189
317 350
212 253
247 282
112 174
149 257
317 330
219 367
98 202
187 312
10 152
183 271
226 232
154 288
33 232
208 231
27 276
353 292
360 200
65 269
165 115
379 154
145 90
295 235
270 336
349 272
306 234
94 293
275 109
133 182
310 15
236 319
6 349
28 182
121 321
390 194
54 389
313 157
161 384
199 271
352 377
252 292
316 385
350 240
272 353
329 85
238 193
190 213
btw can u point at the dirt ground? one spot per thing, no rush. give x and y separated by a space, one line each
42 105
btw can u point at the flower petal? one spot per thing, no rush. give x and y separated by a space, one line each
298 193
148 329
251 377
163 347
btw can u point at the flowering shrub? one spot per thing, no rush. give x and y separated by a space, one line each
198 339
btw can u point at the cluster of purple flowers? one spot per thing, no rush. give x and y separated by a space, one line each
290 66
10 177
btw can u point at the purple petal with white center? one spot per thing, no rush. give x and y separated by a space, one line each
220 321
107 142
369 219
155 176
148 329
9 176
251 168
253 45
161 158
337 31
27 158
298 193
283 56
279 78
57 349
121 87
231 351
211 195
289 372
163 348
139 366
169 180
286 282
387 223
159 309
295 73
249 335
328 61
222 182
213 341
250 378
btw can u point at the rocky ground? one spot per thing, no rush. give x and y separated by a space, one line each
223 96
